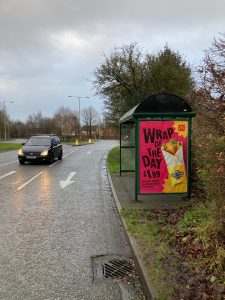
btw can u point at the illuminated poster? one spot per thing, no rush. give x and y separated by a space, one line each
163 156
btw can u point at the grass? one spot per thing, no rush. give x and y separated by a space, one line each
9 147
153 242
197 221
200 224
127 160
113 160
171 249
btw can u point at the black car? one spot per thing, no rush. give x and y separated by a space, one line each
45 148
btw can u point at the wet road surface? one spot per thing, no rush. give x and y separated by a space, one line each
53 221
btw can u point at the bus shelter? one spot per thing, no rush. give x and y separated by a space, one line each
155 143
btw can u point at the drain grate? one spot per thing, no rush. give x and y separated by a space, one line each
117 268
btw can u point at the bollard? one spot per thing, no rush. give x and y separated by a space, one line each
77 142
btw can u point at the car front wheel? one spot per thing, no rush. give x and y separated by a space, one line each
60 156
21 161
51 158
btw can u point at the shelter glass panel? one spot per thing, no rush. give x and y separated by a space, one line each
127 148
128 159
127 135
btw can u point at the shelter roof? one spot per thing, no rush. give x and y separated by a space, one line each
160 105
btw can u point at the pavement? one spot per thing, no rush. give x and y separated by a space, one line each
123 189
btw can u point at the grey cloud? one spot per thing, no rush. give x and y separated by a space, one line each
50 47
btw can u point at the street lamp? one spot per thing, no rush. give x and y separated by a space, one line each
4 114
78 97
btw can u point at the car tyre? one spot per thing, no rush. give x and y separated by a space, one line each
21 161
60 156
51 158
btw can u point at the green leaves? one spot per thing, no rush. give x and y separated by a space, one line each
129 75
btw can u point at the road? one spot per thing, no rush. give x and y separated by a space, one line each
55 220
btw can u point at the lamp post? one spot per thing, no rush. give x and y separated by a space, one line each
78 97
4 115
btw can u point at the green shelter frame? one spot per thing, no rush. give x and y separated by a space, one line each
157 107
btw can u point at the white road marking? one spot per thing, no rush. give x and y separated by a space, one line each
68 181
58 160
7 174
12 162
89 152
26 183
53 164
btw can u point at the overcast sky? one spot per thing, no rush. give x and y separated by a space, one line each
50 48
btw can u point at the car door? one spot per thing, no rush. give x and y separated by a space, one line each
59 145
55 148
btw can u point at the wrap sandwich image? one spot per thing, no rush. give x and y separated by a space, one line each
173 155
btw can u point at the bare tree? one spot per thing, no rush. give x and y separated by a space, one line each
119 79
89 117
66 120
211 96
18 129
212 72
34 123
1 123
129 75
37 123
208 134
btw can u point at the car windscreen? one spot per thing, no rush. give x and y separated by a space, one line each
39 141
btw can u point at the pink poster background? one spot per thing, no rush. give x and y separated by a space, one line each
152 166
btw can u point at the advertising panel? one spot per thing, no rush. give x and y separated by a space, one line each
163 147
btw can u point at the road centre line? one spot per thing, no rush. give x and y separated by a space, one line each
58 161
26 183
53 164
12 162
7 174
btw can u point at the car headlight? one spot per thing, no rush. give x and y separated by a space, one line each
44 153
20 152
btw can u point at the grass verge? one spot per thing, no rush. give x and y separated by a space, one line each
113 160
180 248
9 147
